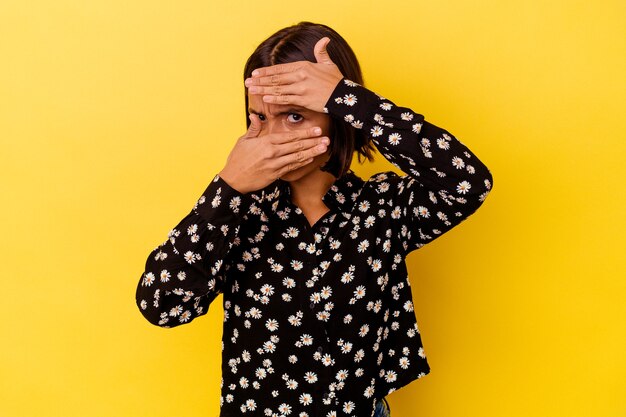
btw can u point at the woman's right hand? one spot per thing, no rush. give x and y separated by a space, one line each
257 161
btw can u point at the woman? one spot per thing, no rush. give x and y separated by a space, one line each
309 257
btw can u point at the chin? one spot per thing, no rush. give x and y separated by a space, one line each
299 173
293 175
305 170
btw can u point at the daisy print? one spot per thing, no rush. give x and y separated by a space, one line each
271 325
376 265
306 339
394 138
306 399
349 100
284 409
296 319
310 377
458 163
148 279
442 143
289 282
463 187
318 306
376 131
383 188
292 384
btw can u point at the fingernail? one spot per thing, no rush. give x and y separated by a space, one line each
253 90
321 147
317 131
255 72
247 82
326 141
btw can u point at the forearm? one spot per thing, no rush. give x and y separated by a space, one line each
429 154
444 181
185 273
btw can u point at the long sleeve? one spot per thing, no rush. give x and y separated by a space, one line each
184 274
444 181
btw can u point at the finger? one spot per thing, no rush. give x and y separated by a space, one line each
292 166
295 135
275 79
321 55
284 99
255 126
276 90
276 69
297 159
301 145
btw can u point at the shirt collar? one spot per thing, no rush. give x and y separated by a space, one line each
340 197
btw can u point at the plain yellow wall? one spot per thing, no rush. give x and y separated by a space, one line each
115 115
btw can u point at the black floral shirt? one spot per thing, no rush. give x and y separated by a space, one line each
318 320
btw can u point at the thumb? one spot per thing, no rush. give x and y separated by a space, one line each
255 126
321 55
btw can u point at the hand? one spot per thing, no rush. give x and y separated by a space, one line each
257 161
302 83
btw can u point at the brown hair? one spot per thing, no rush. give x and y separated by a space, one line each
296 43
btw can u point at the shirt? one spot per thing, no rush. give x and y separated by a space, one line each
318 320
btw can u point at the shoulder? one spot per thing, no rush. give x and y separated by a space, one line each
378 191
387 183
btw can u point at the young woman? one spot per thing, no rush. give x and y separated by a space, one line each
309 257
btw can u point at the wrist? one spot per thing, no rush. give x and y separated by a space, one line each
233 181
223 204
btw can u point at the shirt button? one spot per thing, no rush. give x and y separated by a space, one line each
320 349
312 305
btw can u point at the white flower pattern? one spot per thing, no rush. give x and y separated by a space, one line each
315 322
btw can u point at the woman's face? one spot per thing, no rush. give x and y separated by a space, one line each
279 118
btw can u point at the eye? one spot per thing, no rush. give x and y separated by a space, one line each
261 117
294 117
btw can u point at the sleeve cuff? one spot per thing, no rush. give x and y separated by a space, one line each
352 103
220 203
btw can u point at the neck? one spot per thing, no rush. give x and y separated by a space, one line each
309 190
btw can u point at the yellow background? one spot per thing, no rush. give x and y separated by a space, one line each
115 115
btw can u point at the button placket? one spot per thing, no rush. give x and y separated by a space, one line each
312 273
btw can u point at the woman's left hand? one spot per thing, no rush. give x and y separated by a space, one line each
302 83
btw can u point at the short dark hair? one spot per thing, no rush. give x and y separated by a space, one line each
296 43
